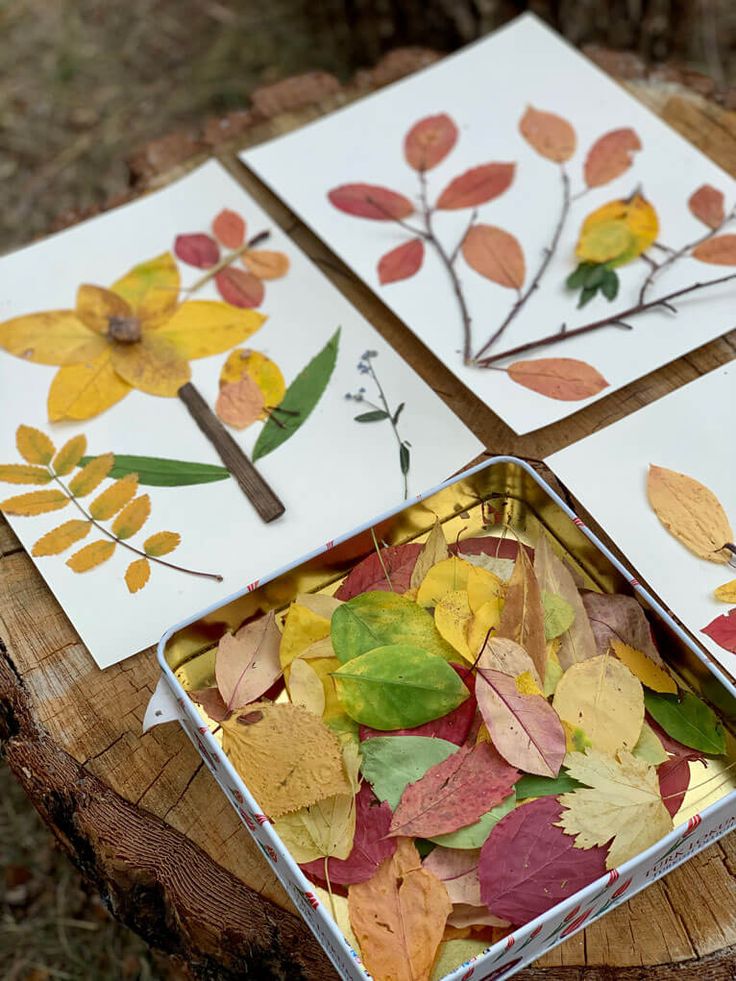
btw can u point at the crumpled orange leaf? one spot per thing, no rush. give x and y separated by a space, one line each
247 662
718 251
33 445
69 455
429 141
399 916
402 262
55 337
477 186
91 475
240 403
161 543
691 512
91 556
549 134
137 575
35 502
522 619
23 473
610 156
566 379
80 391
229 227
496 255
114 498
266 264
60 539
706 204
132 518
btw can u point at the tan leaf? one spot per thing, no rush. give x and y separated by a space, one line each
399 916
137 575
23 473
265 264
161 543
691 512
132 518
522 619
706 204
114 497
496 255
69 455
91 556
550 135
61 538
55 337
288 757
239 404
727 592
621 801
91 475
247 662
81 391
305 688
565 379
577 643
434 550
36 502
153 365
719 251
33 445
610 156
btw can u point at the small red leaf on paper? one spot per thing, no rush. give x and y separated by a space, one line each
550 135
674 779
370 844
240 288
495 254
454 793
401 262
527 865
566 379
723 631
429 141
198 250
212 702
370 201
610 156
719 251
369 575
476 186
707 205
229 227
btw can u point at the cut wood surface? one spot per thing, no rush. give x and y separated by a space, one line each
142 816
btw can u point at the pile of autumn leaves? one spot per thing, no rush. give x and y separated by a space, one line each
468 740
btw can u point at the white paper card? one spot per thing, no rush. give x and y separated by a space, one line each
332 474
687 431
486 90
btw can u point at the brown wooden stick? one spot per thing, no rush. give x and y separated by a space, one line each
252 484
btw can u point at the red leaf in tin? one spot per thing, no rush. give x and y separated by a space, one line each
371 201
429 141
674 779
401 262
370 574
723 631
240 288
198 250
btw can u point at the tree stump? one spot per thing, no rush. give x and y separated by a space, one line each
142 817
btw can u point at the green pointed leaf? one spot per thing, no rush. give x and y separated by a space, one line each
609 286
300 399
533 786
404 458
595 276
688 720
398 412
577 278
474 835
398 687
156 471
587 295
391 763
376 415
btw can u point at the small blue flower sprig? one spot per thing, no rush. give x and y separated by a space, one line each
382 412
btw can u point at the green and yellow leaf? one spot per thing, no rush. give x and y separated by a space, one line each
96 305
114 497
61 538
161 543
151 288
55 337
91 556
34 446
137 575
22 473
132 518
91 475
200 328
81 391
36 502
69 455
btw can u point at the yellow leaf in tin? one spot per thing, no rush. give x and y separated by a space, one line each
33 445
61 538
324 668
452 616
137 575
91 475
727 592
23 473
434 550
69 455
114 498
91 556
618 232
132 518
36 502
444 577
553 670
302 628
161 543
200 328
526 684
482 587
650 748
305 687
80 391
486 618
648 673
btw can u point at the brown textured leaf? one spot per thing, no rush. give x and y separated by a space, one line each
718 251
566 379
370 201
477 186
132 518
247 662
240 288
137 575
706 204
240 403
161 543
91 475
691 512
496 255
91 556
266 264
33 445
399 916
401 262
114 497
610 156
522 619
229 227
23 473
429 141
35 502
550 135
69 455
60 539
288 757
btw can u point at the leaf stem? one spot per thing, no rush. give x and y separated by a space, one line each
380 559
119 541
226 261
390 414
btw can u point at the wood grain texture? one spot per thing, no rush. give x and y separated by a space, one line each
143 817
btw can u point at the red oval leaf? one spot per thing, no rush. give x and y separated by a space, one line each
198 250
565 379
370 201
429 141
229 227
723 631
401 262
610 156
239 287
674 779
707 205
495 254
719 251
476 186
550 135
370 574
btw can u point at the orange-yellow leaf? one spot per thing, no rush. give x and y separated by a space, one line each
399 916
35 502
718 251
706 204
550 135
566 379
137 575
96 305
61 538
69 455
151 288
33 445
264 372
691 512
610 156
54 337
91 475
229 228
22 473
161 543
81 391
132 518
496 255
618 231
200 328
91 556
153 365
114 497
265 264
240 403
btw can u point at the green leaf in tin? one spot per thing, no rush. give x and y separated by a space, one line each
474 835
533 786
649 747
558 615
376 415
391 763
300 399
452 953
398 687
154 471
688 720
378 618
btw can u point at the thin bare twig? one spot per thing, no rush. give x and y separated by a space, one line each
225 261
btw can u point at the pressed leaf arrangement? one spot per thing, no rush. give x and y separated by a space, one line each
456 740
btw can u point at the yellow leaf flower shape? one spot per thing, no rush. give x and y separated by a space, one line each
618 232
